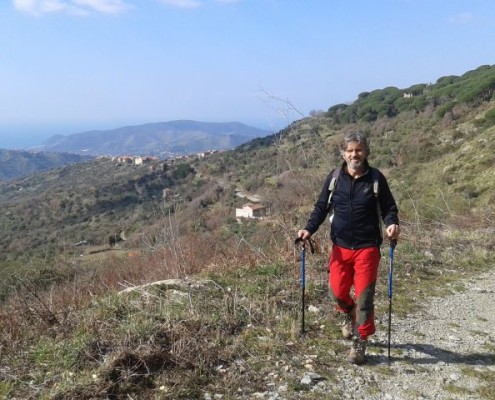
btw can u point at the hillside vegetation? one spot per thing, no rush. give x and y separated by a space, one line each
17 163
229 322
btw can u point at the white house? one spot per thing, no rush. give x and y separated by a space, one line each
250 210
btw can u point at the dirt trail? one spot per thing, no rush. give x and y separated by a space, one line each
444 352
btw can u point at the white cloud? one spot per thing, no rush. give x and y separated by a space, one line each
85 7
462 18
104 6
193 3
182 3
38 6
74 7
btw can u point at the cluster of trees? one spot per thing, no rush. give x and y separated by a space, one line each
84 201
472 88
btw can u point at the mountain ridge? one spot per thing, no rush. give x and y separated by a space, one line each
162 139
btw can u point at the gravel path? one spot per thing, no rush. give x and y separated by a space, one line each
444 352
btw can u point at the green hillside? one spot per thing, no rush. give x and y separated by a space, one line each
16 163
234 310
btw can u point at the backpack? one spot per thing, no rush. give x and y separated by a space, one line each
375 174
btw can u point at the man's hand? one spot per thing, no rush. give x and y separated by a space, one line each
393 231
303 234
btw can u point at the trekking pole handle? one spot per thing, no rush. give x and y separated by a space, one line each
304 243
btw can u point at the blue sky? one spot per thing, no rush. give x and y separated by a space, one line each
68 66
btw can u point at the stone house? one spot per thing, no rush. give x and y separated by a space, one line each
250 210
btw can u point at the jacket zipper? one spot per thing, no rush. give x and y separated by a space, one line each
351 209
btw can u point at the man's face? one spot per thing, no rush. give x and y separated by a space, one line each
354 155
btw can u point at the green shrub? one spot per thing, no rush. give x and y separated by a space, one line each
445 108
490 117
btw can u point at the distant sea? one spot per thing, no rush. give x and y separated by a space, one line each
22 138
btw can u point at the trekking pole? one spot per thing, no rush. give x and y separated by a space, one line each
393 243
303 278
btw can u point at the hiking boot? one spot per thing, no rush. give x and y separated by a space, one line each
357 354
347 324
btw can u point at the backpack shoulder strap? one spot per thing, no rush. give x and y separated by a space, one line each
333 183
375 176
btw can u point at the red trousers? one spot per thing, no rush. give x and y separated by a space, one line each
358 268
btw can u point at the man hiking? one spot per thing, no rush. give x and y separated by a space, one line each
358 198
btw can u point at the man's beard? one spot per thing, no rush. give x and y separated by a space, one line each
355 164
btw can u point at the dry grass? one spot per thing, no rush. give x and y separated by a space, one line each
235 332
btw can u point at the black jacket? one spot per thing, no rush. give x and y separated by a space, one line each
355 222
